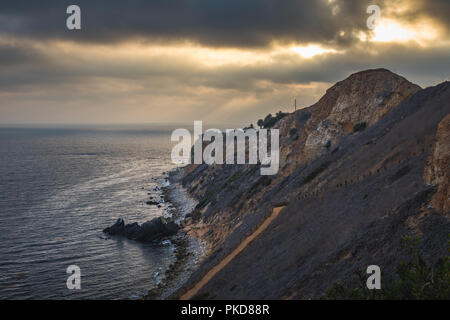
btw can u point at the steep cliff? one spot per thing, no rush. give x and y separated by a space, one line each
364 97
437 170
351 181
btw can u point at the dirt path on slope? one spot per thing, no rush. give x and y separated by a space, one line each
211 273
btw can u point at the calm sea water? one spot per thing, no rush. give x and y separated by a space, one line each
58 189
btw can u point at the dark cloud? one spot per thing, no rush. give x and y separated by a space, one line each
235 23
222 23
439 9
13 54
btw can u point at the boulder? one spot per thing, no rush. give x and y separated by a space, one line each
154 229
116 228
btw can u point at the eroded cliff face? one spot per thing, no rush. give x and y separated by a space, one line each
437 170
349 197
364 97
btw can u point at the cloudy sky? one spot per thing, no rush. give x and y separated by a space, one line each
230 61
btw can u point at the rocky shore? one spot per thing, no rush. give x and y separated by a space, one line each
189 250
167 230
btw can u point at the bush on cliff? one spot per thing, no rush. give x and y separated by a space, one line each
315 173
415 280
269 121
360 126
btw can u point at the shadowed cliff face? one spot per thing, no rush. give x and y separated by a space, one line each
437 170
364 97
349 196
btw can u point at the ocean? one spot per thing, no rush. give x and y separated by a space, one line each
59 188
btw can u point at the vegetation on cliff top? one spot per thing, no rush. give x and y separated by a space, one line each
269 121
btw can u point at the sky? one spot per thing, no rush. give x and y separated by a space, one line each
220 61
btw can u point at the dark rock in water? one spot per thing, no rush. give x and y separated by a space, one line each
116 228
131 230
151 202
151 230
155 229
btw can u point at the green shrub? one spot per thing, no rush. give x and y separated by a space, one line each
315 172
202 203
265 180
415 280
269 121
360 126
236 176
252 170
201 296
196 214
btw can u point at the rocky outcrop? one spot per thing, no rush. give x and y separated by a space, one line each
437 170
363 98
149 231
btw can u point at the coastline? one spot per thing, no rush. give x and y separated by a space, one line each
189 250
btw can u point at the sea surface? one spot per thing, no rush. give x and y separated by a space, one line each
59 187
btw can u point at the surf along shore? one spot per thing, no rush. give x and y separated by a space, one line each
189 249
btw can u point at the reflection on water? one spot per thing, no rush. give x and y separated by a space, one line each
59 188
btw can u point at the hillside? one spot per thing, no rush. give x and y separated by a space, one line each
360 170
